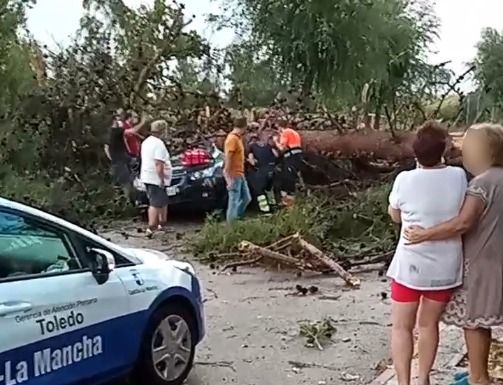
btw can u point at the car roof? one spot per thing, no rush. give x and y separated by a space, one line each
9 204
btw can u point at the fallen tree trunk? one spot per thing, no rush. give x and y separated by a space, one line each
369 145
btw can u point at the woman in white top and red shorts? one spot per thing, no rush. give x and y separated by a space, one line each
424 275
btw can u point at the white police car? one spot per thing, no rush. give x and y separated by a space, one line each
77 309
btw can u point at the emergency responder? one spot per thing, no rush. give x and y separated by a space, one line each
290 144
262 156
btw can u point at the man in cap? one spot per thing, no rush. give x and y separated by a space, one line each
155 173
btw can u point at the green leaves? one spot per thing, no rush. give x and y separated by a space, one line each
252 75
489 64
56 106
335 47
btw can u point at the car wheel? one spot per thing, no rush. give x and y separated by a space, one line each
168 347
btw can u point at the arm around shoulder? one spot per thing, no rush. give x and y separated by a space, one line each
471 212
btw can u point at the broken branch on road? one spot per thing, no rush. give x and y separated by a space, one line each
294 252
221 364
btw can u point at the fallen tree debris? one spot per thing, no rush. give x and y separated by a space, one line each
221 364
318 254
304 365
317 333
250 262
329 297
294 252
248 247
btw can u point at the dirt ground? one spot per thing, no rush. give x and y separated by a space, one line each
253 323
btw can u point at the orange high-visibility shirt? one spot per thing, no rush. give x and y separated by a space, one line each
290 139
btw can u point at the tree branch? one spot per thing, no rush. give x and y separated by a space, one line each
451 88
147 69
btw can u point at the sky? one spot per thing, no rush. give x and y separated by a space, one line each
54 21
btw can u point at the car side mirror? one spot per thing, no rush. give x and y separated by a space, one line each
102 264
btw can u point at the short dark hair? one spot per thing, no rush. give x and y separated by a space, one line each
282 123
240 122
430 143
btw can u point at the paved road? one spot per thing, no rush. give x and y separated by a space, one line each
253 327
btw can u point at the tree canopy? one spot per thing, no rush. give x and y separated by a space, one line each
335 47
489 66
340 57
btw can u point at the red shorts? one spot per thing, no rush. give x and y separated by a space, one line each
401 293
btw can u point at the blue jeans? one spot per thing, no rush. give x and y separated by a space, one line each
239 198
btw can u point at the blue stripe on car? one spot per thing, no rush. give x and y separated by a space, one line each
80 356
91 355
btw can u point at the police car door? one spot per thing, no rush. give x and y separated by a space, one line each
58 325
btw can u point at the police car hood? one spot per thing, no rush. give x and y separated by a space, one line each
155 257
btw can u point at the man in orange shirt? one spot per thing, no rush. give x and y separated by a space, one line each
289 143
234 172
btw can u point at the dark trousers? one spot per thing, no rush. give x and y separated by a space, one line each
261 179
290 169
124 172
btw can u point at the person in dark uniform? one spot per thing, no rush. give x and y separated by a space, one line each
289 143
262 156
116 151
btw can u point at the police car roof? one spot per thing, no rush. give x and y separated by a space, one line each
6 203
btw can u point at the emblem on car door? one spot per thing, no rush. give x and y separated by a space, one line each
137 277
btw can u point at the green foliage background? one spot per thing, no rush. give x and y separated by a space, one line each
340 56
356 225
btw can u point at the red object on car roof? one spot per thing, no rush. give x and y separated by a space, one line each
196 157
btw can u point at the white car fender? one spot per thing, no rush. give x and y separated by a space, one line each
158 278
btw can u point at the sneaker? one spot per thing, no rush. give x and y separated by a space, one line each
164 228
149 233
460 375
462 380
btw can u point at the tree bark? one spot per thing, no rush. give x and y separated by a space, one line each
338 269
248 247
367 144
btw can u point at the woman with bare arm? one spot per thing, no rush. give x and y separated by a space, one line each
424 276
478 305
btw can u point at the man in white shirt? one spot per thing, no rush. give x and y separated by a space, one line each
155 173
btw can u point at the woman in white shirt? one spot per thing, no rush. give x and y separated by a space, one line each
424 275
